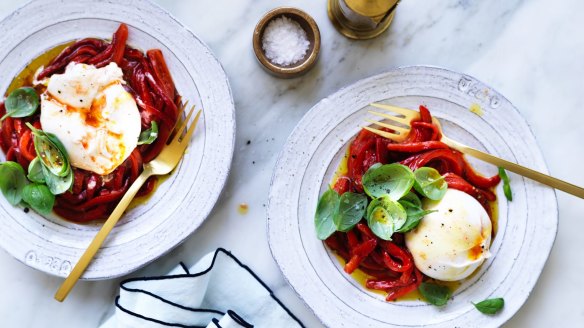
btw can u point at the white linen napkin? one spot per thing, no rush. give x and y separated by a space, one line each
217 292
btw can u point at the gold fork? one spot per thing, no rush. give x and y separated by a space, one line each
402 128
165 162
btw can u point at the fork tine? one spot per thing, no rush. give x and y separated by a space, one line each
400 120
403 111
389 126
388 135
179 121
179 131
192 127
179 115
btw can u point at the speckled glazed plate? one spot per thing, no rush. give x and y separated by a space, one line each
180 203
526 227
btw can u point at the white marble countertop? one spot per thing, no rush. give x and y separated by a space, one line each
530 51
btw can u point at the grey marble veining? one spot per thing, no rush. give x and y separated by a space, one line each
530 51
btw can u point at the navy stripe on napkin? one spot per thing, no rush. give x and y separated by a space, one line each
212 312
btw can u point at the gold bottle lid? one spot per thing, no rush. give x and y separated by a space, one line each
371 8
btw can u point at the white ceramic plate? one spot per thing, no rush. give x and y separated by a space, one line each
527 226
181 203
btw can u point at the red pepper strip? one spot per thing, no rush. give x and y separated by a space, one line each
335 242
415 281
398 292
93 184
118 45
70 200
368 263
382 154
99 212
425 115
10 154
342 185
352 240
365 248
161 72
450 158
366 231
380 274
118 179
147 187
26 146
378 257
19 126
394 251
428 128
66 56
479 180
359 253
383 284
160 91
364 142
417 146
102 199
407 277
456 182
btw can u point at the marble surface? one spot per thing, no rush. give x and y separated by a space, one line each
530 51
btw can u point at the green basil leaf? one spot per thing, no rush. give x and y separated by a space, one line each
490 306
506 185
395 180
51 152
35 171
412 198
57 185
429 183
39 197
328 205
415 215
12 181
384 217
21 102
148 136
435 294
413 206
351 210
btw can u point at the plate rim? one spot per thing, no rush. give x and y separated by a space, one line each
221 180
365 80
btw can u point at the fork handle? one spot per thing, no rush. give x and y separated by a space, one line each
516 168
98 240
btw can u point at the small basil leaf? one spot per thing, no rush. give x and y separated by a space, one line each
328 205
57 185
35 171
395 180
435 294
351 210
415 214
412 198
430 183
385 216
12 181
51 152
39 197
506 185
148 136
490 306
21 102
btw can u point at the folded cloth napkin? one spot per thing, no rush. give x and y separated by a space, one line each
218 291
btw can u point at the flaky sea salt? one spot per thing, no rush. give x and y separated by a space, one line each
284 41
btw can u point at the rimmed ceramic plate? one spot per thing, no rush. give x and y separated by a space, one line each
180 203
526 226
